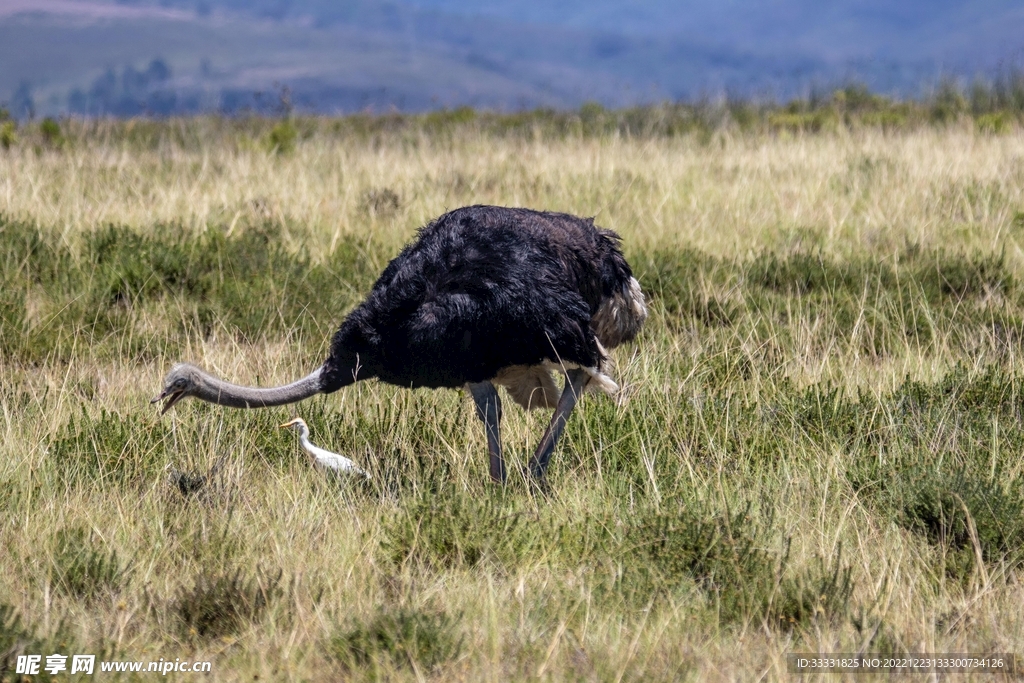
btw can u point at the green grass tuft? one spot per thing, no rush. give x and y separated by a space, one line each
453 530
400 637
18 638
222 603
81 569
107 449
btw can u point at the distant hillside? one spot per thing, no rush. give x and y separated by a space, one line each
166 56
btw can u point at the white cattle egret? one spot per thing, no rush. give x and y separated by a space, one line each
323 458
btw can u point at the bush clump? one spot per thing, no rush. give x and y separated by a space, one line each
18 638
109 447
99 292
81 569
400 637
221 603
732 557
282 137
50 130
967 514
724 554
458 531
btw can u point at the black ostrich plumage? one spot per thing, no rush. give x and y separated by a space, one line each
481 289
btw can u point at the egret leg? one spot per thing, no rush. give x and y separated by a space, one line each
488 409
575 380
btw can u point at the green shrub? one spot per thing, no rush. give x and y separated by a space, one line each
673 276
723 553
50 130
939 475
961 511
458 531
961 275
282 137
821 594
18 638
800 273
993 124
109 448
810 122
15 639
8 134
247 281
221 603
402 637
82 570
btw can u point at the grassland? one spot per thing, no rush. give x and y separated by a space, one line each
818 447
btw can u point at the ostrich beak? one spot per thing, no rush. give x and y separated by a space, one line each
171 396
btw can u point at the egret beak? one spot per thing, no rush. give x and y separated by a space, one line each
289 424
171 396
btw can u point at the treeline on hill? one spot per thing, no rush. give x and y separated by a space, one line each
992 107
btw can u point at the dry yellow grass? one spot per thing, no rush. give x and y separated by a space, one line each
863 196
732 194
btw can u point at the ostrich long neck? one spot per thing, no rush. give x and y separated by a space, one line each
223 393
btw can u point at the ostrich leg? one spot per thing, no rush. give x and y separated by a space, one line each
488 409
574 383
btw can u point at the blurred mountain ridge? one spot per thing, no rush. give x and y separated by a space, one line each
94 57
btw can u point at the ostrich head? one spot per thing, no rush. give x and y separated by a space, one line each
182 380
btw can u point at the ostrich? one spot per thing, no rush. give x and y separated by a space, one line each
485 296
